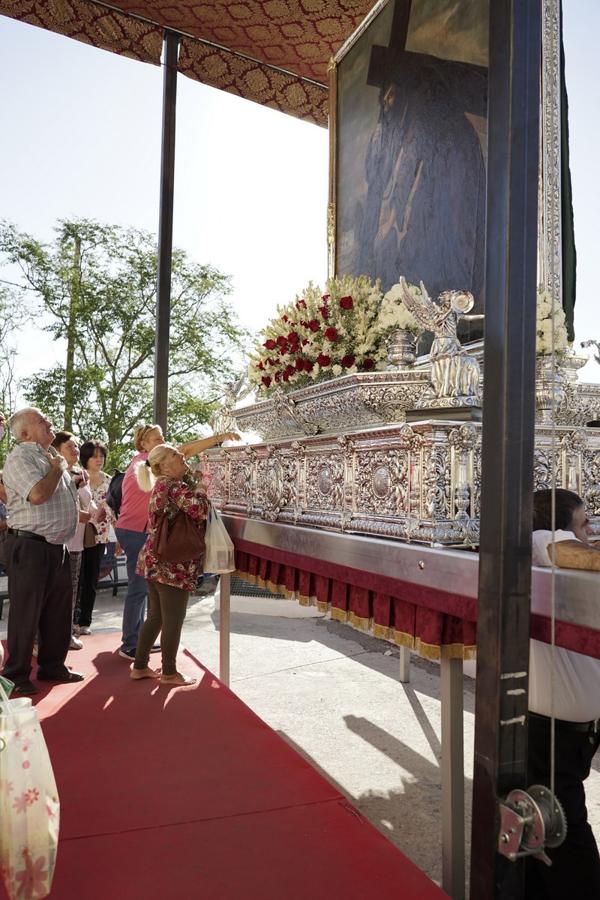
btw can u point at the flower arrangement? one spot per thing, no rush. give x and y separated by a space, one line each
551 327
321 335
393 314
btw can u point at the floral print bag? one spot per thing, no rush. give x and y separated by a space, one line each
29 805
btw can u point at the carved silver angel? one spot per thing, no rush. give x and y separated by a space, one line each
222 419
455 375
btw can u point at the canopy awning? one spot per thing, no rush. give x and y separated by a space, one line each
275 52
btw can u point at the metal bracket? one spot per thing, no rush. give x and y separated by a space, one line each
530 822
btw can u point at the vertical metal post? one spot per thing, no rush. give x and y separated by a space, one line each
224 627
453 779
508 436
404 665
165 230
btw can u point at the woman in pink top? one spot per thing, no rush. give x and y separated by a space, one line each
131 526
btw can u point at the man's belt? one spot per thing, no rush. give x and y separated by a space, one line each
20 532
592 727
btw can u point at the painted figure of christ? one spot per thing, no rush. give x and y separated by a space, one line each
424 212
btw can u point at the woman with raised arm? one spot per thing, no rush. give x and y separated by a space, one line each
174 491
131 525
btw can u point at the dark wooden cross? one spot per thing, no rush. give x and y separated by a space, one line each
382 56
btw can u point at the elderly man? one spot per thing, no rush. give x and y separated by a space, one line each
43 512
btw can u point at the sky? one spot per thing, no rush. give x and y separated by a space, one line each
81 137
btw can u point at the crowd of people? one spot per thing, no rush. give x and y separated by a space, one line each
58 525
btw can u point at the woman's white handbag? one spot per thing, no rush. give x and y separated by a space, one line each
29 805
219 558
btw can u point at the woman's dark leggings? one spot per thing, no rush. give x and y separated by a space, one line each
167 606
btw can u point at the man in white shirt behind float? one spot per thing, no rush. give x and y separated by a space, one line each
564 685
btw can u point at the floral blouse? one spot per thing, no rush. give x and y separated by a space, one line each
99 498
170 495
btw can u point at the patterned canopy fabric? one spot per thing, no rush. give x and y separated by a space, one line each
275 52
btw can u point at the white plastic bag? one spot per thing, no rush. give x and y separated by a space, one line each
29 805
219 558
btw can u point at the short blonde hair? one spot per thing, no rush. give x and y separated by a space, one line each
140 434
147 472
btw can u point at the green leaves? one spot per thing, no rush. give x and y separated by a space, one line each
95 284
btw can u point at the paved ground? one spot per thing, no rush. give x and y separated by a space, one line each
334 694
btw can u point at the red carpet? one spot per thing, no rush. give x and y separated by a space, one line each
186 793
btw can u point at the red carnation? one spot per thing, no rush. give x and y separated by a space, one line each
314 325
270 345
283 351
324 310
346 302
281 341
286 376
368 364
305 342
293 337
277 376
325 298
284 318
266 380
301 304
331 334
323 359
299 364
308 366
348 360
260 366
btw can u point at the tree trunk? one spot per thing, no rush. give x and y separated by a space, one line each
74 291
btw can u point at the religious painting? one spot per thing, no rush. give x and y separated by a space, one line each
409 148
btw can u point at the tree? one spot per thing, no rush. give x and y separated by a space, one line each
96 284
12 316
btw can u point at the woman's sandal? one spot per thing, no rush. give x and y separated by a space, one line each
138 674
177 680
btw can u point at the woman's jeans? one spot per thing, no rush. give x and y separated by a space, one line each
135 601
167 606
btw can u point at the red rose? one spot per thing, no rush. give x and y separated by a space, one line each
293 337
283 351
285 376
331 334
324 310
308 366
270 345
266 380
299 364
281 341
314 325
346 302
323 359
368 364
290 370
348 360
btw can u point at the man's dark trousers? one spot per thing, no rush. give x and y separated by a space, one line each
575 869
39 589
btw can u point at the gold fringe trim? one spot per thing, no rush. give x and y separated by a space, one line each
363 624
359 622
382 631
340 615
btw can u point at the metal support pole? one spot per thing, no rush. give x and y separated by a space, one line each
508 436
453 779
404 665
224 627
165 230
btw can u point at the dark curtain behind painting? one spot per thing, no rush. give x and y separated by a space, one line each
569 254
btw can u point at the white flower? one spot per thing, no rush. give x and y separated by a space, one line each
336 369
